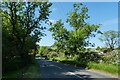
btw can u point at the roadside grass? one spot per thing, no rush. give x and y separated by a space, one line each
110 68
30 71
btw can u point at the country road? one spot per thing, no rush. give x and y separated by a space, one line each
50 70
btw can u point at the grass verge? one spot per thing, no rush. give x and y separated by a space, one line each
30 71
110 68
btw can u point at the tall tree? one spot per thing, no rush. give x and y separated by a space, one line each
22 28
109 38
26 19
60 34
78 37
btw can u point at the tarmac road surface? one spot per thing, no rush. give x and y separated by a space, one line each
50 70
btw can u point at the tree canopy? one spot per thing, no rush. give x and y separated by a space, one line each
109 38
73 40
21 29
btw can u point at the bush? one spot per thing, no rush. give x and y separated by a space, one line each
75 63
111 57
89 56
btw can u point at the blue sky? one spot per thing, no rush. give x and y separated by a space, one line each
105 13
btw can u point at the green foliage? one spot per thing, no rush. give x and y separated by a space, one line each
98 48
53 54
47 52
110 39
111 57
21 29
118 48
110 68
44 51
75 63
72 41
77 18
59 34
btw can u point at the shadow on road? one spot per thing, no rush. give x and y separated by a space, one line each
51 70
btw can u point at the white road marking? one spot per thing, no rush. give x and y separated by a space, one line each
75 75
70 73
58 67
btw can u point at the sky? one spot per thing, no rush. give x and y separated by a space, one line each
105 13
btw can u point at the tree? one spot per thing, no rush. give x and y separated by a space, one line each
109 38
60 34
22 28
78 38
98 48
41 50
24 21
